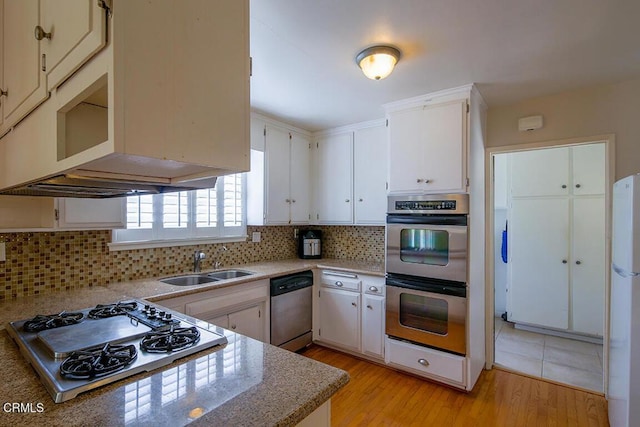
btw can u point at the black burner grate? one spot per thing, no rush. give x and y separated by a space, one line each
102 311
172 339
51 321
97 361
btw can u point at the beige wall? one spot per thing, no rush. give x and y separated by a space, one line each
596 110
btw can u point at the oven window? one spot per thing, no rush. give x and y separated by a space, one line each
422 246
424 313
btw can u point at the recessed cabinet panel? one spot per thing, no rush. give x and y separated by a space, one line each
370 175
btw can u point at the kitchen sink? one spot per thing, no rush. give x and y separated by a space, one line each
202 278
189 280
229 274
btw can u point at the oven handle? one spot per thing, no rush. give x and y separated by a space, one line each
436 288
460 220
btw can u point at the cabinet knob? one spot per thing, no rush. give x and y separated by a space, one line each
419 180
564 261
40 34
564 186
233 327
369 307
428 181
287 200
346 200
4 92
360 200
373 289
339 284
293 200
423 362
578 262
354 304
578 186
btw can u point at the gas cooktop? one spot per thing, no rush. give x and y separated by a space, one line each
74 352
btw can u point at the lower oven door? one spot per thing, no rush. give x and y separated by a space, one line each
433 319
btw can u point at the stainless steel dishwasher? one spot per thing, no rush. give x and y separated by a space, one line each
291 298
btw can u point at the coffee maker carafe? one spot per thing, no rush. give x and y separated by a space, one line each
310 244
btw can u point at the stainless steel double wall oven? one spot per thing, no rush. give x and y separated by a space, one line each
426 264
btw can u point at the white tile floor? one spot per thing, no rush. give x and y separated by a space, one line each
564 360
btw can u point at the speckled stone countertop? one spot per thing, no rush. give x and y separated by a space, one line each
246 383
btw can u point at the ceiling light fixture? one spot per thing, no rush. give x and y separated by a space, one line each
377 62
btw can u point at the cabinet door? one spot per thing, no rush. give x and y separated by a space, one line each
588 272
444 157
370 175
333 180
300 182
373 325
542 172
277 175
22 78
406 137
222 321
340 318
91 213
588 163
78 30
248 322
538 269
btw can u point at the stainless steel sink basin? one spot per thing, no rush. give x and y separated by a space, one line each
229 274
202 278
189 280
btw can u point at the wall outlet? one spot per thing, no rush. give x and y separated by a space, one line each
3 252
255 237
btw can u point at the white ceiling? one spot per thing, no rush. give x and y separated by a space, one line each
303 52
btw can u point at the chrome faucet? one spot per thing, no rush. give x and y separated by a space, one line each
198 256
216 263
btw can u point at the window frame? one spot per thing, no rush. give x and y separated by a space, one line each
160 236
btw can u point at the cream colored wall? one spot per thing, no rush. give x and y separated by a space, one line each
596 110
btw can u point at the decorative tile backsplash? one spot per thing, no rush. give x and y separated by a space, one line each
43 262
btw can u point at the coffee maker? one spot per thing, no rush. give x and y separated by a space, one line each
310 244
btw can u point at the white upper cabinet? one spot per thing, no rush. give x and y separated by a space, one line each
549 167
278 183
23 87
91 213
370 175
588 169
333 179
78 31
428 148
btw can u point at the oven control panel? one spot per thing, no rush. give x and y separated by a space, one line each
425 205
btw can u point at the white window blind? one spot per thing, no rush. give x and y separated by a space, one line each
216 212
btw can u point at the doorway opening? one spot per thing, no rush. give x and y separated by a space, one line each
550 217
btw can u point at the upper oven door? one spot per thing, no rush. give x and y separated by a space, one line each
428 246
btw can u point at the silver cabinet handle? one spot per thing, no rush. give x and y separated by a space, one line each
373 289
40 34
423 362
354 304
578 262
369 307
339 284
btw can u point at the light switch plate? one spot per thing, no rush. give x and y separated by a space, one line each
3 253
255 237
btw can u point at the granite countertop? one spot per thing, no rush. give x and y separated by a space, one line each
245 383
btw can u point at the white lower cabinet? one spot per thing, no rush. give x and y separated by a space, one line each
445 367
242 308
351 312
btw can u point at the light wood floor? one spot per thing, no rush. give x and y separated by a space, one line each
378 396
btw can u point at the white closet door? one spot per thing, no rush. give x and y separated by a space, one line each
588 265
538 288
540 172
588 169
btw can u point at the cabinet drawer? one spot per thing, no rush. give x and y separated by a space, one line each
427 361
340 280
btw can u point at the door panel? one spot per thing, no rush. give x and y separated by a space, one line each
540 172
588 169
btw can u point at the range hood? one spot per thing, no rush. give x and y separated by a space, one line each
100 187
